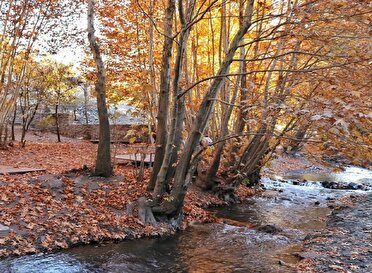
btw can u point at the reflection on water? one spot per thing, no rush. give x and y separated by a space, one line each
286 213
202 248
208 247
52 263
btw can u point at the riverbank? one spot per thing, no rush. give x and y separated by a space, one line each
64 209
286 164
65 206
60 208
345 245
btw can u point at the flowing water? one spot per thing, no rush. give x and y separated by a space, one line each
282 217
350 174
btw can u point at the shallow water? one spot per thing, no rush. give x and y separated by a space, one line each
351 174
296 210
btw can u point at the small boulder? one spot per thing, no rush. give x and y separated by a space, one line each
354 186
330 185
326 184
4 230
271 229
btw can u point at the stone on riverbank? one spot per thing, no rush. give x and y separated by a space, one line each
4 230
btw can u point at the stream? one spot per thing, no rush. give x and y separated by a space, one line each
282 216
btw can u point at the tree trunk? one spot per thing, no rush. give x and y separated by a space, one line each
181 109
152 74
23 134
103 162
26 126
214 166
299 138
13 122
177 110
85 90
162 117
57 122
3 135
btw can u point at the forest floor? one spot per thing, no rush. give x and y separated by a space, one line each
66 206
286 164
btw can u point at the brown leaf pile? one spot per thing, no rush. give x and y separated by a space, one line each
43 219
62 209
55 157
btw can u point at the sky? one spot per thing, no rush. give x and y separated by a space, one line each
69 55
72 53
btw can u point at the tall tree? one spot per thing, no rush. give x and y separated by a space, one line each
174 137
103 161
163 104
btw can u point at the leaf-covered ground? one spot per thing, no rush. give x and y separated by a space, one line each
61 208
286 164
345 246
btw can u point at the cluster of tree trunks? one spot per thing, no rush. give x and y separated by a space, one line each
176 173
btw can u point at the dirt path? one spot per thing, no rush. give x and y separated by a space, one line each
37 136
346 244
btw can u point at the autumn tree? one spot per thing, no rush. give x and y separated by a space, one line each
163 104
338 96
60 87
286 68
31 97
133 60
22 23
